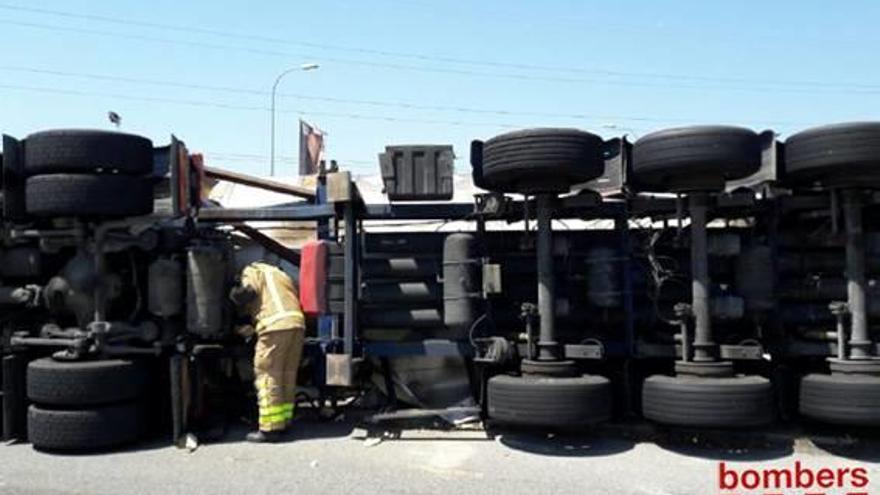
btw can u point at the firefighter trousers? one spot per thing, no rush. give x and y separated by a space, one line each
276 361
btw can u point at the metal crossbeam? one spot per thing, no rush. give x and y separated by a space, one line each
267 184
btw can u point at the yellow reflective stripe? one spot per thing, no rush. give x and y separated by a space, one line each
288 411
272 410
265 322
273 421
272 417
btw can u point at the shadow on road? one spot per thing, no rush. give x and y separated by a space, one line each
303 429
857 443
149 444
562 444
724 446
615 438
859 451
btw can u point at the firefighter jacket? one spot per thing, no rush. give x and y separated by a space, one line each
277 305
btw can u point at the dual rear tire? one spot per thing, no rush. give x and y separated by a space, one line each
85 405
86 173
94 428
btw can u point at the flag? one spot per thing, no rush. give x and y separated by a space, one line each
311 148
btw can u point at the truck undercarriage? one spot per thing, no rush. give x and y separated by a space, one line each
701 277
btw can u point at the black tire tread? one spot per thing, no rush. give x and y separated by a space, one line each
841 399
549 401
68 195
85 383
87 151
675 158
708 402
536 159
84 429
838 152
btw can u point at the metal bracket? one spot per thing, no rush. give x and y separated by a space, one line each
341 370
584 351
768 173
741 352
339 187
491 279
491 204
615 177
840 310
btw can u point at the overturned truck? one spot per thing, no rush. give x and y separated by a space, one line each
705 276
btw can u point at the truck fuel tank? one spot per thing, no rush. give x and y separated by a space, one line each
207 268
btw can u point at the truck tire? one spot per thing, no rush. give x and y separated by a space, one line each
841 399
533 400
708 402
541 160
695 158
87 151
12 184
75 195
840 154
84 429
84 383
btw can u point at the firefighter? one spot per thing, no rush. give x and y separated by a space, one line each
267 296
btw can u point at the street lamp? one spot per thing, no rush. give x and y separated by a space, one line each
304 68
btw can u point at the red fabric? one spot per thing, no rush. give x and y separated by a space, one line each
197 162
311 148
313 277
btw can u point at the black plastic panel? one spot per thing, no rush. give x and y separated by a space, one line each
417 173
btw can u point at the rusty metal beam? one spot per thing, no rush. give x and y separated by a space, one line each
304 211
270 244
267 184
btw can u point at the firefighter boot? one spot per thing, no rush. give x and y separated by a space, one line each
263 436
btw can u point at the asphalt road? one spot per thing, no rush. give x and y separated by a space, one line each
339 458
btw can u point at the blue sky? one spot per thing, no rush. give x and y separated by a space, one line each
415 71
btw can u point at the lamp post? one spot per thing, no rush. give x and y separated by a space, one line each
303 68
